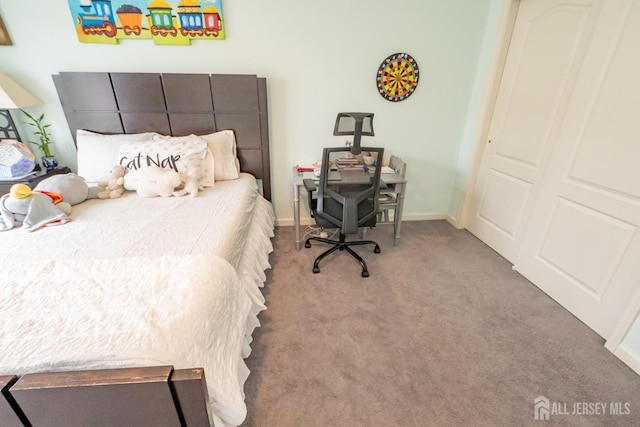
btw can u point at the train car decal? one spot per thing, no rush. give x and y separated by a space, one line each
174 22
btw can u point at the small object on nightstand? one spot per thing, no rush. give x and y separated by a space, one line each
31 180
49 162
16 159
44 139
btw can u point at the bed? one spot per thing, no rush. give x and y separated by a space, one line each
140 311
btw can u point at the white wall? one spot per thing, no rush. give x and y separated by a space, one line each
320 57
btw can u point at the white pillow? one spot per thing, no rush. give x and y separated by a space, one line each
178 153
223 146
98 153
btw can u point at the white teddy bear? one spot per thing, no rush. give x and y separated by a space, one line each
152 181
115 186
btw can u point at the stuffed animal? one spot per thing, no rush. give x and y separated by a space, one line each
152 181
190 183
73 188
115 186
32 210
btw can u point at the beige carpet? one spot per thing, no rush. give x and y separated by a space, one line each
443 333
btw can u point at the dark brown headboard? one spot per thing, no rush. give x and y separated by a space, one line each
173 104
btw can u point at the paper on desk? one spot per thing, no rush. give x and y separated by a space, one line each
383 169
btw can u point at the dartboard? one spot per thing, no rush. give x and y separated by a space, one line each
397 77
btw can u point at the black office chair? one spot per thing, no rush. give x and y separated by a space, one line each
347 204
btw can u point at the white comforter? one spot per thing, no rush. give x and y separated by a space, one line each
215 222
153 284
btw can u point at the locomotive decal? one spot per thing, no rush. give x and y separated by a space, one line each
165 21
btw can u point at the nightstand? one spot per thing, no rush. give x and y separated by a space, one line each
32 181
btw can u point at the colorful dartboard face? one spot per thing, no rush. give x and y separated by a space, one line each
397 77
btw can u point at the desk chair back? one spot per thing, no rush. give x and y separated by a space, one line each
348 205
390 202
398 165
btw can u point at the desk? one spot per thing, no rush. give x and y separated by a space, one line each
387 178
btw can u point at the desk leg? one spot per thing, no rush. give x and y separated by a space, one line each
296 214
397 218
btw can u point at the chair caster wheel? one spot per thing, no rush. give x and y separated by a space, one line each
316 269
365 273
376 249
307 245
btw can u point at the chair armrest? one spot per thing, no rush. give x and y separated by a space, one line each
310 186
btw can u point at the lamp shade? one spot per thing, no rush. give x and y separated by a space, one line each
12 95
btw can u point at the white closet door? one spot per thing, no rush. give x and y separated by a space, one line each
545 53
582 243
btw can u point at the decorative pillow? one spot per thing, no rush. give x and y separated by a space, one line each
177 153
223 146
97 153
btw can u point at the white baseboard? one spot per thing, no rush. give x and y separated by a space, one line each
454 221
288 222
628 356
424 217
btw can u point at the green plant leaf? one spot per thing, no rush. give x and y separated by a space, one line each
41 132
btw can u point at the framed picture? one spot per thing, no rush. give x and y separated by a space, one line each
173 22
4 35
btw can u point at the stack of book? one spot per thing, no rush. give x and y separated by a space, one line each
349 163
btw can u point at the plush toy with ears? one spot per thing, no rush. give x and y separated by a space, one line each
190 184
115 186
32 210
152 181
73 188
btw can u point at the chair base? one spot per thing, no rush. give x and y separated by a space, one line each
341 245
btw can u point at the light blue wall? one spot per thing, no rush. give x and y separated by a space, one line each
489 51
320 57
632 340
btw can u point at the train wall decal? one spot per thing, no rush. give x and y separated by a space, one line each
174 22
